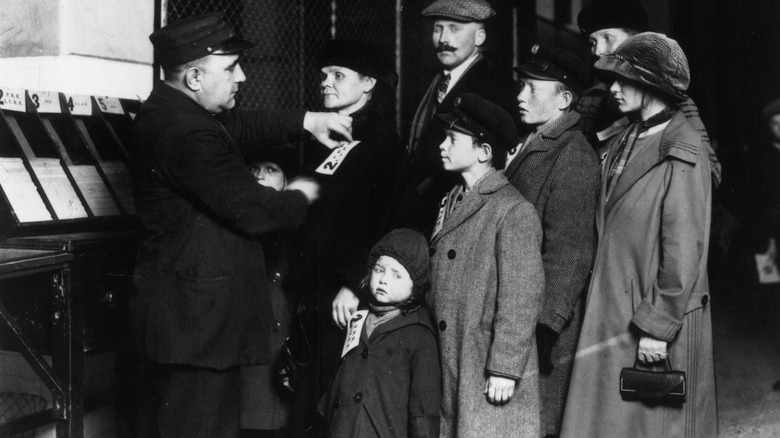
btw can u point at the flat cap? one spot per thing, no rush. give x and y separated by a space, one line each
460 10
551 63
612 14
195 37
482 119
361 56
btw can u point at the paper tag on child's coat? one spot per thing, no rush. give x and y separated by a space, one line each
440 218
354 330
334 160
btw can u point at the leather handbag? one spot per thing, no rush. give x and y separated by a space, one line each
653 387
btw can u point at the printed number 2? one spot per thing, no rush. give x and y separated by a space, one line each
329 165
2 102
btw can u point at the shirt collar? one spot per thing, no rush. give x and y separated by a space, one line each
458 71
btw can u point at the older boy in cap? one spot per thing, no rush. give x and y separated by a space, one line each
487 280
556 169
458 37
606 24
202 307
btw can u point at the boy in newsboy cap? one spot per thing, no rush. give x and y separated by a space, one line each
486 278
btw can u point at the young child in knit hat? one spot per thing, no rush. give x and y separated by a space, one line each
388 383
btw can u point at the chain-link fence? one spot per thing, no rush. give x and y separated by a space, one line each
280 71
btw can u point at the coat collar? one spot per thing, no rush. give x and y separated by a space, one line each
545 139
470 203
678 141
419 316
464 79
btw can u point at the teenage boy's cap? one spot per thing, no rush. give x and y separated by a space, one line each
612 14
195 37
460 10
555 64
482 119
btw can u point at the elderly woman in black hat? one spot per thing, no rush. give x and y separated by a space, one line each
648 301
357 79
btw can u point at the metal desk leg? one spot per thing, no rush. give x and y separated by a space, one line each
68 357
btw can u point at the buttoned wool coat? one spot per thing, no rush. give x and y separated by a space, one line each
202 297
649 276
487 281
558 172
388 385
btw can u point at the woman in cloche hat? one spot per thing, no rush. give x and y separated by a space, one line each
648 302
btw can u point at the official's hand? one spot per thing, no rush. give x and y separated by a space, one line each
307 186
344 305
322 124
499 389
651 350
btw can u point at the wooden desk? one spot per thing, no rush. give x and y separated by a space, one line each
65 377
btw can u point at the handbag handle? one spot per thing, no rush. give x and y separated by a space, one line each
667 362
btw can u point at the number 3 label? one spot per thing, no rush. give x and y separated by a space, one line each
45 101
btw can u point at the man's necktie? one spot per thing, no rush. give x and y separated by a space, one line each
443 88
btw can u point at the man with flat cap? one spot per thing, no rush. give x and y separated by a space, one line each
486 280
556 169
202 307
459 39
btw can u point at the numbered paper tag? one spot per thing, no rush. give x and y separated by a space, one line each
353 333
109 105
45 101
79 105
334 160
440 218
12 99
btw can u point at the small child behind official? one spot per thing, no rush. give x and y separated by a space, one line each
388 383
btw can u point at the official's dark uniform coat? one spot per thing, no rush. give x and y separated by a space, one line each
201 292
558 172
649 276
487 282
426 134
389 385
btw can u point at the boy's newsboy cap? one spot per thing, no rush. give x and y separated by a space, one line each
550 63
484 120
195 37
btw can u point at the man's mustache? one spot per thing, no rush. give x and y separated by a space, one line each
445 48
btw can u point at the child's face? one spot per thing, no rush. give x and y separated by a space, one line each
268 174
390 283
457 151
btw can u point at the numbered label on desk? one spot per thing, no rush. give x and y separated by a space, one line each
109 105
353 332
12 99
334 160
45 101
79 105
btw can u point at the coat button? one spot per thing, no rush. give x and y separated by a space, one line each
431 251
277 326
364 354
451 254
336 403
704 300
358 397
442 325
276 277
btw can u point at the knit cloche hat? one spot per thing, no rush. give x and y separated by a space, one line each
409 248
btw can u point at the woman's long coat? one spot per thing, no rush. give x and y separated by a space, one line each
487 282
650 274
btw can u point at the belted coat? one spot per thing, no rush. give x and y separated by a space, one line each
649 276
487 282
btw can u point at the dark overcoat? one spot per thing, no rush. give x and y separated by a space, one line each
389 385
558 172
201 293
487 281
426 133
649 276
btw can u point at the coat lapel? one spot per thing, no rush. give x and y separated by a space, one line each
464 79
543 141
470 204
